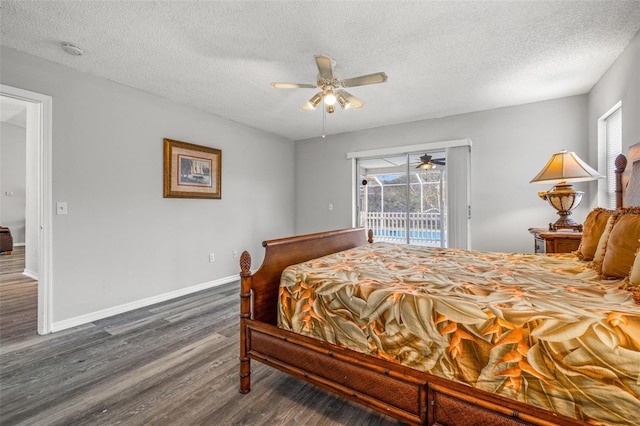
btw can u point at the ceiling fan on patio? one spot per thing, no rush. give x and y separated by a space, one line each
427 163
330 87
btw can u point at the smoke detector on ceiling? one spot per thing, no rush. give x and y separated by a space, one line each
71 49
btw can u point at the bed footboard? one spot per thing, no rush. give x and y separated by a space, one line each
337 371
411 396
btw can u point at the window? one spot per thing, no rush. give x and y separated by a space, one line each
609 147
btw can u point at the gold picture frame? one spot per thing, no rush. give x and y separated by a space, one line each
192 171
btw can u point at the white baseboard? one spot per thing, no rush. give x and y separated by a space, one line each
18 244
30 274
105 313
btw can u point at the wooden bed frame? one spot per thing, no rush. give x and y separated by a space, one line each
412 396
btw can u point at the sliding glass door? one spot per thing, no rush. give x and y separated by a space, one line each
402 201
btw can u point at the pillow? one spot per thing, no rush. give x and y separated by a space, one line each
634 273
602 243
592 230
632 282
622 245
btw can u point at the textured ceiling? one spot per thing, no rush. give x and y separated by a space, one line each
442 58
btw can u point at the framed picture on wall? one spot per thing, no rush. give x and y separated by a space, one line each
191 171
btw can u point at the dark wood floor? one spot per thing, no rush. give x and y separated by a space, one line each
175 363
18 298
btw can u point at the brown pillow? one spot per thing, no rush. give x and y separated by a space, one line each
622 245
598 257
593 228
634 273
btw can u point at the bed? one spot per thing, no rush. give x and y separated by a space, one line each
495 345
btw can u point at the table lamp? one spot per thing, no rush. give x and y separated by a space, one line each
564 167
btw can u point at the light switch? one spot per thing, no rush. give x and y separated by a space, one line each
61 208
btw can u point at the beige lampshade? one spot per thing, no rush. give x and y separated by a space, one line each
566 166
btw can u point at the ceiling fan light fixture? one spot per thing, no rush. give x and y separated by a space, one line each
329 98
313 102
330 85
354 103
427 166
427 163
344 103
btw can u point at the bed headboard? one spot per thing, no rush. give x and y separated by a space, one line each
632 193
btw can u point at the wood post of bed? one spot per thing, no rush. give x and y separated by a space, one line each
245 314
620 164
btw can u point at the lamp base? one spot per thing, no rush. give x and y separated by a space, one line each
563 198
565 222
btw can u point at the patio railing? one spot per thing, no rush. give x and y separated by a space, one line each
424 228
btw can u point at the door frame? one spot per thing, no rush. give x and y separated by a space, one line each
44 133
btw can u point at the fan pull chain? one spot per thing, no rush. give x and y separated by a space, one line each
324 121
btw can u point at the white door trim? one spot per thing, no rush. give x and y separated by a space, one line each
45 205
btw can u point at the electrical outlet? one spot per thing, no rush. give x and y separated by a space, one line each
234 254
212 257
330 207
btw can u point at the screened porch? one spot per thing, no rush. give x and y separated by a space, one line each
402 203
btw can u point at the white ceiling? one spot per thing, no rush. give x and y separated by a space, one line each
442 58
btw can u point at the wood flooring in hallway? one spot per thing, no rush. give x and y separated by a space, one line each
18 298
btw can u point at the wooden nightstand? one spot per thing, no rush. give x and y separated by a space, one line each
555 241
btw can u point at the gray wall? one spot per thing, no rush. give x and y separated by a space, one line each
13 171
621 82
122 241
510 146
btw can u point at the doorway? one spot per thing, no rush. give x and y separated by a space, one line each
445 216
402 198
38 230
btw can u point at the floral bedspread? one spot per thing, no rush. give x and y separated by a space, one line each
542 329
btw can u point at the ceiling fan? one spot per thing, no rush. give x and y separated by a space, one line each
330 84
427 163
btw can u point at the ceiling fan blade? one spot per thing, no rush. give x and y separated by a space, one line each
293 86
375 78
354 102
440 162
325 66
